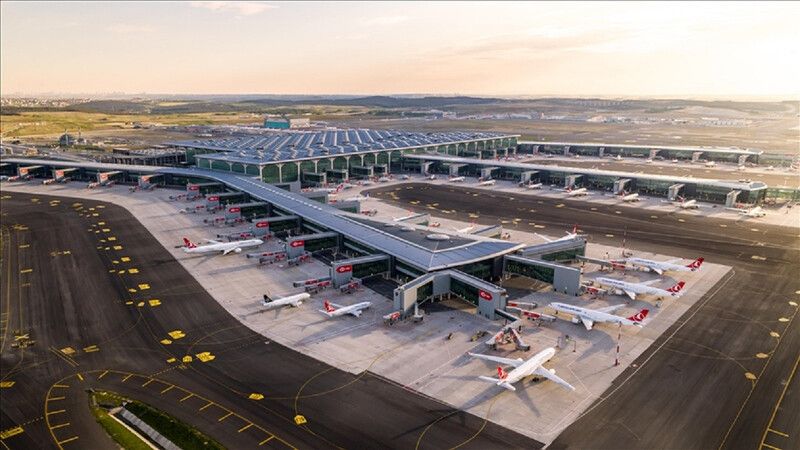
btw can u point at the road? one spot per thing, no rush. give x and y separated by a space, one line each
723 375
90 300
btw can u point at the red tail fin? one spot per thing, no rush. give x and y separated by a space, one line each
328 306
575 229
677 288
502 374
188 243
638 317
696 263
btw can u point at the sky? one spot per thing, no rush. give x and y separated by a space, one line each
698 50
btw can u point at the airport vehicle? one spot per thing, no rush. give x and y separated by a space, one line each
629 197
292 300
384 180
334 310
660 267
217 246
533 186
674 161
618 157
431 177
457 179
576 192
522 369
405 177
487 183
96 184
751 212
568 236
589 317
620 287
710 164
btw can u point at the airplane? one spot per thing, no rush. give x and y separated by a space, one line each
591 316
569 235
660 267
522 369
334 310
217 246
400 219
629 197
465 229
487 183
456 179
752 212
687 204
620 287
533 186
292 300
576 192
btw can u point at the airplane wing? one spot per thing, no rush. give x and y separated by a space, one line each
507 361
610 309
356 312
588 323
335 305
546 239
649 282
225 252
541 371
630 294
657 270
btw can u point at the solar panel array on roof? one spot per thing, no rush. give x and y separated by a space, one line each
292 145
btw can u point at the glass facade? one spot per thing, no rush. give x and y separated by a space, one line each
425 291
369 269
536 272
481 269
319 244
463 290
567 255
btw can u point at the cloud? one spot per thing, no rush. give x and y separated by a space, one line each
385 20
128 28
239 8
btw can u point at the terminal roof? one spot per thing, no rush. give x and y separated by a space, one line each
277 146
731 150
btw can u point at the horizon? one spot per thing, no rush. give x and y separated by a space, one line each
539 50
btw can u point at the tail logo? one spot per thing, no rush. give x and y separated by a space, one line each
329 307
696 263
677 288
188 243
501 374
638 317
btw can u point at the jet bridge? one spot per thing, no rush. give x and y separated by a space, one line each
145 182
60 175
675 191
29 171
486 296
243 210
526 175
730 199
224 198
570 181
621 185
492 231
455 169
194 189
486 172
424 168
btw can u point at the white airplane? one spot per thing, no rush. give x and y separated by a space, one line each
465 229
589 317
660 267
487 183
568 236
576 192
217 246
400 219
620 287
629 197
687 204
292 300
457 179
334 310
522 369
752 212
533 186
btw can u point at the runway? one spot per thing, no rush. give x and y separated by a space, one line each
101 305
723 375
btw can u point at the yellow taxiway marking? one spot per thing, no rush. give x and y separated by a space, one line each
67 350
171 360
147 382
154 302
206 406
117 247
24 245
62 386
80 377
186 398
106 230
176 334
55 398
102 375
769 446
265 440
144 286
168 389
299 420
256 396
165 341
126 378
59 411
224 417
761 355
26 271
5 434
91 348
245 427
793 303
125 259
6 384
134 270
774 334
778 432
749 376
187 359
111 239
73 438
205 356
62 425
783 319
140 304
